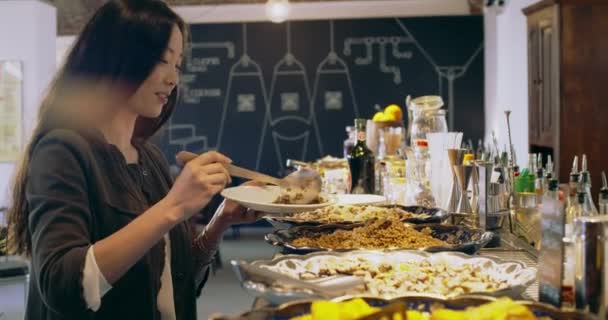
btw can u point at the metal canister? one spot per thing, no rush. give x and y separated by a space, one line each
591 275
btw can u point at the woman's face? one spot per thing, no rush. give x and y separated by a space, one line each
149 99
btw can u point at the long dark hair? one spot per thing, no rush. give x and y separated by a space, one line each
119 46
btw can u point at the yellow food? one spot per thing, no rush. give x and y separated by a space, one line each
448 314
501 309
379 117
389 117
393 112
347 310
468 158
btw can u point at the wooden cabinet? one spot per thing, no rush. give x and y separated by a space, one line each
567 72
543 71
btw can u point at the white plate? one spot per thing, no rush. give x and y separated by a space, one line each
261 199
359 199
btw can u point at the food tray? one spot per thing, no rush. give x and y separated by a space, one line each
421 303
459 238
516 275
423 215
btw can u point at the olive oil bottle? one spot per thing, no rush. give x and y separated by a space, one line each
361 163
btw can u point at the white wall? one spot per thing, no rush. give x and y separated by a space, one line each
506 72
27 33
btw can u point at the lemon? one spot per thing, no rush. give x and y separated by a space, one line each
393 112
379 117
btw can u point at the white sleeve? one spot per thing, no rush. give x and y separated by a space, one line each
94 284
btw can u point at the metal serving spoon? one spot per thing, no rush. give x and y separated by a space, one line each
302 186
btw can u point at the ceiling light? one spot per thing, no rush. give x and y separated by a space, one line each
277 11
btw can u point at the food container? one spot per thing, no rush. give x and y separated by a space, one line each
459 238
421 215
515 276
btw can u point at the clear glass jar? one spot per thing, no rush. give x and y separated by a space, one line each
439 121
335 174
418 189
426 117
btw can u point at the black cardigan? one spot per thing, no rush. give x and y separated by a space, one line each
79 191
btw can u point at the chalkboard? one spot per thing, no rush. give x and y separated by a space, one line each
263 92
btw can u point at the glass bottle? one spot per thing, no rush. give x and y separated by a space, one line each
552 190
539 163
532 166
417 189
361 163
580 208
380 171
603 198
480 150
351 140
585 183
423 158
549 168
584 188
540 184
572 185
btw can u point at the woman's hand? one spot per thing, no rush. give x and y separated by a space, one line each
233 213
200 179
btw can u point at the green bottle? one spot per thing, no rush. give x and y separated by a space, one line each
361 163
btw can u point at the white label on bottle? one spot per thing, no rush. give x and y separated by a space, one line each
494 177
361 135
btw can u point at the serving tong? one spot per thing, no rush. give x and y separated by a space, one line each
307 181
329 287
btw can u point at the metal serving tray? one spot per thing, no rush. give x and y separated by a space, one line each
459 238
517 275
423 215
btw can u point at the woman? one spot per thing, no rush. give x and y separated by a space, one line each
93 205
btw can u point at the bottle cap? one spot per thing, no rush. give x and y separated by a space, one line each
585 178
584 163
553 184
574 177
521 183
540 173
574 166
580 197
360 123
422 143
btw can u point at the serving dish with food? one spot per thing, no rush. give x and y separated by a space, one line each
471 307
268 199
349 214
382 234
390 274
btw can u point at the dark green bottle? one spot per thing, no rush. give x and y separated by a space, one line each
361 163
